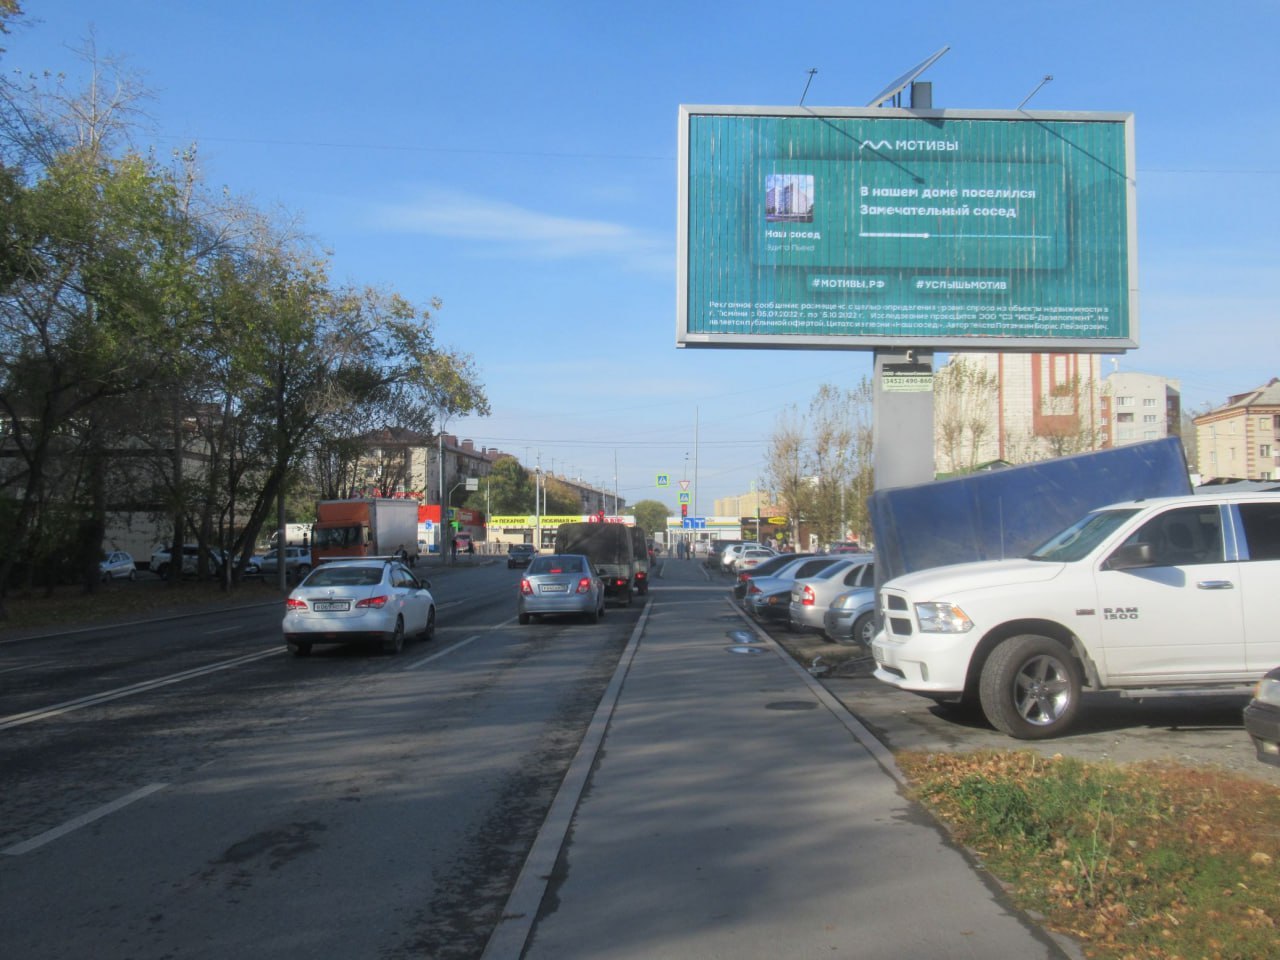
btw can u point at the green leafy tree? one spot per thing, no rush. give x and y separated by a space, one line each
509 489
651 516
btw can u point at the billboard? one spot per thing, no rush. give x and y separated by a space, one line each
863 228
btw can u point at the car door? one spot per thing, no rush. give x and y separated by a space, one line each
413 599
1258 526
1181 616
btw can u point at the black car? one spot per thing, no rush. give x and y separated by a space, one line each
519 555
1262 718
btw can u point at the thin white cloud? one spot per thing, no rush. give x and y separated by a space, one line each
511 230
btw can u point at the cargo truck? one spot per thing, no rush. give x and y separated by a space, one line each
373 527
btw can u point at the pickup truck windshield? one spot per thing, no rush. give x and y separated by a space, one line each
1078 540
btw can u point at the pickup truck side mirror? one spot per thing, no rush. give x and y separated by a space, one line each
1131 555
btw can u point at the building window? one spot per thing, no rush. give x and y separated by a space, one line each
1148 418
1124 401
1148 401
1264 450
1264 423
1124 418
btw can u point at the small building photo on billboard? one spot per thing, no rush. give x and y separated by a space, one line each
862 228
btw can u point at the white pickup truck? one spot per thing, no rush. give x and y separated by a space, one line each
1167 596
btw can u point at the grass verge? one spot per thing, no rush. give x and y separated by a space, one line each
70 606
1138 862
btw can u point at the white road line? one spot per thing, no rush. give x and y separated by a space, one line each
209 633
443 653
28 666
26 846
43 713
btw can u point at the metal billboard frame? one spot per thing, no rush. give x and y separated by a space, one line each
973 342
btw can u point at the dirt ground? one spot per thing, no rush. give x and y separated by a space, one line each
1192 731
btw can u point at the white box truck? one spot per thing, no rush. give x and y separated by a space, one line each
369 527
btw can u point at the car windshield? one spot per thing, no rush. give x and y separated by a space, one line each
556 565
1078 540
345 575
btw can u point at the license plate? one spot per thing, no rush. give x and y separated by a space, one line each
328 606
553 588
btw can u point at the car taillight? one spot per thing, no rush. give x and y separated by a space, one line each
293 603
808 598
641 575
620 582
754 589
744 577
526 588
584 585
375 602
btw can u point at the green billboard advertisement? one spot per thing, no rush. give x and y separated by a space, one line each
890 227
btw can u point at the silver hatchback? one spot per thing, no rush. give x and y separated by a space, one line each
560 583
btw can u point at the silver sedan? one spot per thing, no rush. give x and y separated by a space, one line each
851 618
810 597
560 583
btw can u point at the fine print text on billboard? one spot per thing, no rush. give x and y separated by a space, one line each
863 228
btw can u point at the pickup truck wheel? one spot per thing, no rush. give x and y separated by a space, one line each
1030 687
299 649
162 571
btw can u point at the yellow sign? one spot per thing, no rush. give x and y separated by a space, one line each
778 521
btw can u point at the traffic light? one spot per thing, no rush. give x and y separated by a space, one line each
684 510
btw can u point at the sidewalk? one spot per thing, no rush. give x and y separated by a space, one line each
731 811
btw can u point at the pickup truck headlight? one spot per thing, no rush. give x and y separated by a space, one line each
1268 691
942 618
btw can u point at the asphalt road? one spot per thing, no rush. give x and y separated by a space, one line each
186 788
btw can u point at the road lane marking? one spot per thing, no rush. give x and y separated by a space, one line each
511 934
443 653
28 666
26 846
44 713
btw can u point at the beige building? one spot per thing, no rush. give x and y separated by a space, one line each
1016 407
758 502
1240 439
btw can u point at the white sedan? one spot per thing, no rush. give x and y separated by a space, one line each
370 601
117 565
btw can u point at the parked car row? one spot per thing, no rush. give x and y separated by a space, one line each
830 593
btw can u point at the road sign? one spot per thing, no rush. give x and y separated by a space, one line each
684 498
694 523
664 480
684 484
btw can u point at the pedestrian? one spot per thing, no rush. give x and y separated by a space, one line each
471 548
453 549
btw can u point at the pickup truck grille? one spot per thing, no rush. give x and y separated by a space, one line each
896 615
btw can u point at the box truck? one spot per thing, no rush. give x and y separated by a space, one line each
372 527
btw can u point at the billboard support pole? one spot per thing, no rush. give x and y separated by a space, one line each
902 418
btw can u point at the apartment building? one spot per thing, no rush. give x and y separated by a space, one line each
1137 407
1241 439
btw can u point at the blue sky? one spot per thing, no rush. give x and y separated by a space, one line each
518 161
